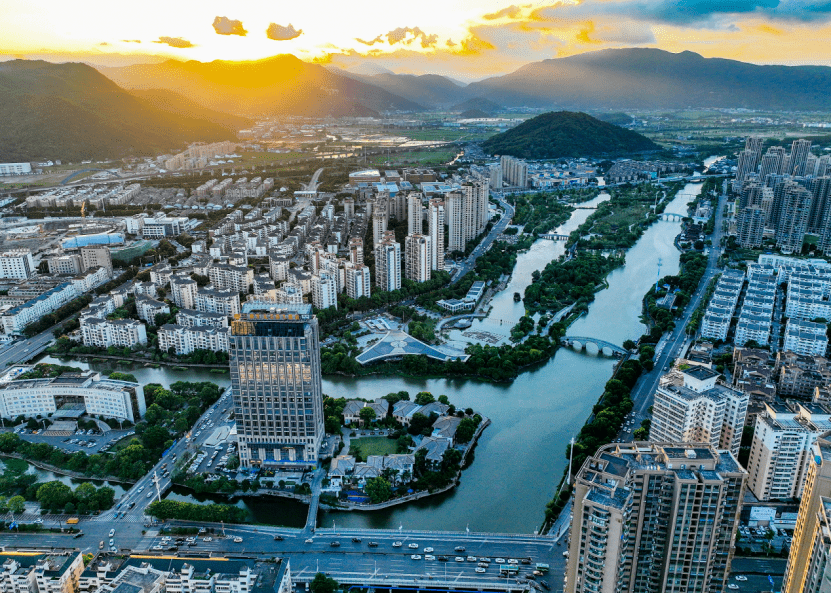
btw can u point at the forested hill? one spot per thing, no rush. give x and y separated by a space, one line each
567 134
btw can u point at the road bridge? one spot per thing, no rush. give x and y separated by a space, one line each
554 236
67 179
580 343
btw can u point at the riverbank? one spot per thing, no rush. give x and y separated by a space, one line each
129 360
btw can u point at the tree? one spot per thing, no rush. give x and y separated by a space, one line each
233 462
321 583
367 415
53 495
378 489
423 398
465 430
17 504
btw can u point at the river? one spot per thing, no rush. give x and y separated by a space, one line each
520 458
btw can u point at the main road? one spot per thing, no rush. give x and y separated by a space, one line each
484 245
672 345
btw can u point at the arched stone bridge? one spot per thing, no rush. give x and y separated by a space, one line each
605 347
672 216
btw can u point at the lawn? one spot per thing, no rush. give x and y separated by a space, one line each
420 157
374 446
266 158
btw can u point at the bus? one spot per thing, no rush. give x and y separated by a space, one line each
509 569
543 567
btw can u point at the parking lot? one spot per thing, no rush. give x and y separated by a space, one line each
90 442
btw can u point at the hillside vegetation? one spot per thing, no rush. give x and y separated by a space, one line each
567 134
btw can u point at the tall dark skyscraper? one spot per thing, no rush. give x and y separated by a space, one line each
276 379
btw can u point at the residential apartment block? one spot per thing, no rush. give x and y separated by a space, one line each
388 263
17 263
698 409
654 517
186 339
107 333
417 257
805 338
722 305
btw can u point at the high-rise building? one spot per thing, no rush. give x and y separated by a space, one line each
388 263
793 218
514 171
414 217
808 568
800 150
454 208
66 264
324 290
782 440
380 222
97 257
746 165
770 164
495 173
17 263
476 200
652 517
805 338
349 208
356 251
820 215
435 216
276 383
750 226
696 409
417 257
357 281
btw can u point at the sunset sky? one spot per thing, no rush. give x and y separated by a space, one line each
465 39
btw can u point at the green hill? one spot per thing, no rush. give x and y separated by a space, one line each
166 100
73 112
567 134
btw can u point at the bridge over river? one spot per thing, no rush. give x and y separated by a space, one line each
603 346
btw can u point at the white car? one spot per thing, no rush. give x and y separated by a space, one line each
460 559
310 541
112 543
157 548
429 557
415 557
732 586
499 560
741 578
112 532
39 521
397 543
237 539
207 539
413 545
480 570
428 549
513 562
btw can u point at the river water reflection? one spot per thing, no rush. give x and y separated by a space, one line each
520 458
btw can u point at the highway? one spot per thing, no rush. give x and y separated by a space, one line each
23 350
483 246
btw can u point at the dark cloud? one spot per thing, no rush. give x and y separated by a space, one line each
405 36
174 42
281 33
225 26
131 40
694 12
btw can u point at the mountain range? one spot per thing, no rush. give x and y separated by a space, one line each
72 111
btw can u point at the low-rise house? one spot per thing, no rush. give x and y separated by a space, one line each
446 427
352 410
435 447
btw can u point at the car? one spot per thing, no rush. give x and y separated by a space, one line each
428 549
356 539
525 561
150 494
207 539
101 545
415 557
113 550
741 578
429 557
309 541
471 558
513 562
413 545
732 586
334 543
459 559
397 543
373 544
38 521
237 539
484 564
278 537
485 559
442 557
202 531
500 560
112 542
480 570
172 548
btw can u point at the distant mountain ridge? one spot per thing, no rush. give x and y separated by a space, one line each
73 112
567 134
281 85
172 102
653 78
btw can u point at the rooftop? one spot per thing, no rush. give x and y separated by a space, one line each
397 344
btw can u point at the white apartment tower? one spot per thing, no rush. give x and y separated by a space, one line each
357 281
356 251
414 217
417 257
388 263
325 290
698 410
435 215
